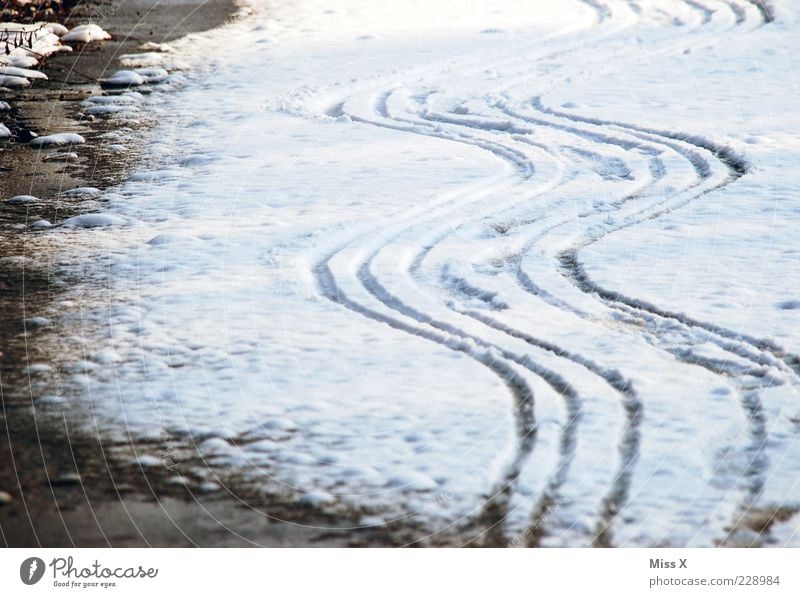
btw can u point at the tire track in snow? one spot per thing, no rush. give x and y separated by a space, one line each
765 9
519 388
496 509
614 500
370 282
628 446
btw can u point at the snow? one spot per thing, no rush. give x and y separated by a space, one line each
57 140
142 59
22 72
13 81
57 29
400 255
93 221
62 156
152 75
85 34
82 191
151 46
44 43
316 498
148 461
17 199
37 322
123 78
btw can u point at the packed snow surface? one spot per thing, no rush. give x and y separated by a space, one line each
529 268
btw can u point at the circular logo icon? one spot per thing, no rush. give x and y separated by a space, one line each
31 571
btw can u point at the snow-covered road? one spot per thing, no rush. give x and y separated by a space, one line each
526 272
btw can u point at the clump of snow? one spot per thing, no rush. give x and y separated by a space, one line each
27 61
68 156
19 199
140 60
49 399
156 47
58 139
37 322
123 78
106 357
57 29
125 99
27 73
82 191
13 81
172 238
85 34
152 75
316 498
147 461
93 221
